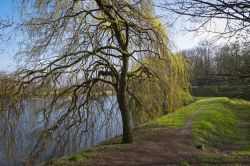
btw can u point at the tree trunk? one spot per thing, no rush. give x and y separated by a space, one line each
123 102
126 120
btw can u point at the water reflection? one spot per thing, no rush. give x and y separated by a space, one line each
20 134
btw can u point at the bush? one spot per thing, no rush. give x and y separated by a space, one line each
242 92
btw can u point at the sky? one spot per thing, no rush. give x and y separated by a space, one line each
6 47
180 39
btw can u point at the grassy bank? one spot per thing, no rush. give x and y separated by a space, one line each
217 123
220 122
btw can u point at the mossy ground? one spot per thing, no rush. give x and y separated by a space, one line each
218 123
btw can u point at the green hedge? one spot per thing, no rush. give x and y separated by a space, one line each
242 92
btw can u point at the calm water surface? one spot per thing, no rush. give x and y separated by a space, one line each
23 131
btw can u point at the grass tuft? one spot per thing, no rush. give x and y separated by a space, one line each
77 157
184 163
200 146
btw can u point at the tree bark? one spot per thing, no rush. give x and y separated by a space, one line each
126 120
123 103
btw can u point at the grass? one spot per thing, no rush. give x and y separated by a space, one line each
76 157
179 118
215 124
81 158
184 163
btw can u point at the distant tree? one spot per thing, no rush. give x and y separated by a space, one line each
232 63
228 64
245 68
201 59
5 78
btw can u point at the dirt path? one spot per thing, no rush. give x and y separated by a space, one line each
188 127
155 146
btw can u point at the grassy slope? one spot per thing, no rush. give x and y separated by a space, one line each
222 123
219 122
214 123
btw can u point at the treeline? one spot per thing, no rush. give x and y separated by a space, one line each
219 65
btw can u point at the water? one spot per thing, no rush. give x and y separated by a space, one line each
20 134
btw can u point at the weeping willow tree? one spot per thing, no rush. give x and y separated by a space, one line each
80 49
